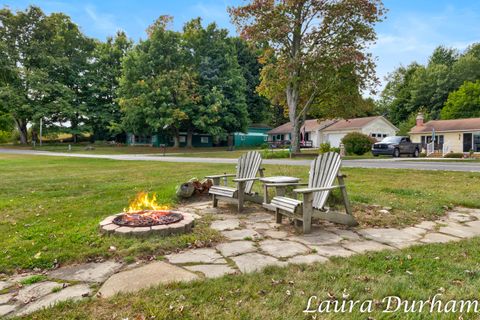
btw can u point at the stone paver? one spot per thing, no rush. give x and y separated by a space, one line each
36 291
4 298
459 216
259 217
135 279
5 284
87 272
345 234
426 225
475 225
392 236
212 271
235 248
228 224
6 309
332 251
283 249
307 259
241 234
276 234
75 292
203 255
365 246
319 237
458 231
438 238
260 226
252 262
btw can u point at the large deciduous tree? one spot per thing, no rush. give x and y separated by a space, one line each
463 103
316 45
105 69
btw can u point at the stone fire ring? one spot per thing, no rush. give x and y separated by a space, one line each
183 226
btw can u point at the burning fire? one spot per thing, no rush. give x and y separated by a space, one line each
143 203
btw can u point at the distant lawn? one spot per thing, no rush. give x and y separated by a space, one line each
123 149
50 207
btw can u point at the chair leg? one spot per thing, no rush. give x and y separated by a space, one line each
215 201
278 216
343 189
307 212
241 195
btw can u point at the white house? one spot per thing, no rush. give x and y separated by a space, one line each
310 132
376 127
332 131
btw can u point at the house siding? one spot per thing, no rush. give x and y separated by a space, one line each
454 140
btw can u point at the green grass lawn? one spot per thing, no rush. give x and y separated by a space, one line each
214 152
417 273
50 207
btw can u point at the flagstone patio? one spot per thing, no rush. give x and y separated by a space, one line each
252 242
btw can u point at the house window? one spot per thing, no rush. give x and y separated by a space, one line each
203 139
384 135
182 139
265 138
374 135
242 137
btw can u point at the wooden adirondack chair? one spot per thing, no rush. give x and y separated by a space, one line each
323 171
247 168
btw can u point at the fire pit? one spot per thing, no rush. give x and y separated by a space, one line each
144 216
147 218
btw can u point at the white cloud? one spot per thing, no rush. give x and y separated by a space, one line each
102 21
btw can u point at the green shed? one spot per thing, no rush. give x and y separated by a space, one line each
256 135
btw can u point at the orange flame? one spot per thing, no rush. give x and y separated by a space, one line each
144 202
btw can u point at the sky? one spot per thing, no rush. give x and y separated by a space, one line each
410 32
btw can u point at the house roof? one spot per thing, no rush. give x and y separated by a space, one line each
350 124
310 125
471 124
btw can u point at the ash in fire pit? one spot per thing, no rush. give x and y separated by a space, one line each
147 218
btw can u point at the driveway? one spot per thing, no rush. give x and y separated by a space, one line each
367 163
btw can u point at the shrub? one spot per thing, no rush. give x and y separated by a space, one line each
324 147
422 155
5 136
455 155
357 143
266 154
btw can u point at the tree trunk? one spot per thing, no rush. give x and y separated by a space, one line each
230 141
176 139
22 129
292 102
189 138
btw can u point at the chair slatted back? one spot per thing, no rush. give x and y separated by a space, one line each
248 165
323 171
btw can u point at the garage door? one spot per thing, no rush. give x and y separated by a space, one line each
335 139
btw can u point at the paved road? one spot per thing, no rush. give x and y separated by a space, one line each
367 163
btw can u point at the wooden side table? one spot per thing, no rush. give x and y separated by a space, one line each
280 183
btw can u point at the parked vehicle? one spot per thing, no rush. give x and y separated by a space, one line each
396 146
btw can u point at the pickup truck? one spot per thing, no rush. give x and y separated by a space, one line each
396 146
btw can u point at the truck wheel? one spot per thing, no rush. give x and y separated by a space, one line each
396 153
416 153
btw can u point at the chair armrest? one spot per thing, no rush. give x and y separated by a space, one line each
221 175
311 190
286 184
244 179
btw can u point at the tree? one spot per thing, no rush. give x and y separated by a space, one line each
158 87
464 102
222 87
102 110
247 56
23 55
313 42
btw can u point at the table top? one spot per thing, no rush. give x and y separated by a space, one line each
279 179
